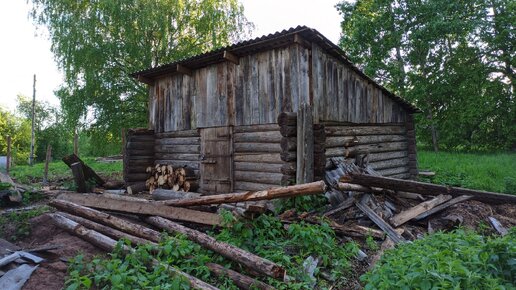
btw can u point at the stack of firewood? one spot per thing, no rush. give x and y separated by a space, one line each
165 176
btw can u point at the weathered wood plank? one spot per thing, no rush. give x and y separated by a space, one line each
258 158
258 137
257 166
349 130
257 147
258 177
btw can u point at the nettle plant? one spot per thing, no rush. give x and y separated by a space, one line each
265 236
457 260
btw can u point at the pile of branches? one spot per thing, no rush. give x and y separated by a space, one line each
165 176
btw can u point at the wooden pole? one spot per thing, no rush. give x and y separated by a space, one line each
305 145
31 157
76 143
8 158
78 176
256 263
47 161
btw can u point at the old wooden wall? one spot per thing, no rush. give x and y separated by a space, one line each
180 148
138 154
340 94
255 91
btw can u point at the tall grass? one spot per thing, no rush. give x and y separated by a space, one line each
492 172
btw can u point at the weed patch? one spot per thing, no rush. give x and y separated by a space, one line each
15 225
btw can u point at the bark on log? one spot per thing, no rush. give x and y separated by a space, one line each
109 244
140 207
88 172
258 158
288 168
288 144
312 188
78 176
243 186
242 281
429 188
368 148
256 263
256 128
167 194
136 188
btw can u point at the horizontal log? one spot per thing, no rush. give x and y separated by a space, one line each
136 188
140 138
177 163
140 145
429 188
141 207
289 168
258 158
138 163
179 141
140 152
260 167
140 157
256 128
288 156
371 148
137 176
392 163
176 134
345 141
178 156
287 119
257 147
137 169
364 130
177 149
380 156
258 177
312 188
393 171
288 144
258 137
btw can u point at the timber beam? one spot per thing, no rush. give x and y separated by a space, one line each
231 57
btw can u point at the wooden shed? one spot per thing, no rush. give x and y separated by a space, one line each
269 112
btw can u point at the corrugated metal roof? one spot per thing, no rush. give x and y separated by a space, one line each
266 42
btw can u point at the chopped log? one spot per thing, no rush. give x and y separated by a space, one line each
442 207
429 188
109 244
312 188
256 263
140 207
421 208
108 231
78 176
242 281
498 226
380 223
166 194
88 172
136 188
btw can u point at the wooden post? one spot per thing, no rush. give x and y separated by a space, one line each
31 157
305 145
8 158
76 143
123 141
47 161
78 176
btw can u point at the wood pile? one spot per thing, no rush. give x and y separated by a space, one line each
167 177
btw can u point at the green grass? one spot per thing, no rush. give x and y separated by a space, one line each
59 170
492 172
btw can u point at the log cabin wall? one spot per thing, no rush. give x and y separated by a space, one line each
138 155
387 145
257 162
340 94
255 91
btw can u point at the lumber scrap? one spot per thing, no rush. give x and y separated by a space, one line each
89 174
395 237
256 263
109 244
312 188
347 203
142 207
242 281
498 226
442 206
78 177
427 188
14 279
421 208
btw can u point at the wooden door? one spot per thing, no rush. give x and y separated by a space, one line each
216 160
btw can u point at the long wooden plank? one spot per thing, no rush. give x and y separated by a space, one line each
258 158
178 134
257 167
139 207
395 237
428 188
442 206
258 137
350 130
179 141
258 147
421 208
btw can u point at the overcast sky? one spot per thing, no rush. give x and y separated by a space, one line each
25 52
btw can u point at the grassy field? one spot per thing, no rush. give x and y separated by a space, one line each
491 172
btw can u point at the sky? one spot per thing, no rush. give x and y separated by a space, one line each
25 51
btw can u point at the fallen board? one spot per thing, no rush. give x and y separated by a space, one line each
140 207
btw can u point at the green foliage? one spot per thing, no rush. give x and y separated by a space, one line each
264 236
301 203
98 44
457 260
19 130
451 58
16 225
490 172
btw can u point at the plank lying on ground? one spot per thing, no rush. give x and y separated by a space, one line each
421 208
380 222
105 230
427 188
16 278
342 206
88 172
242 281
109 244
498 226
317 187
139 207
442 206
167 194
256 263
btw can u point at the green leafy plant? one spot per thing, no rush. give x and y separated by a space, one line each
16 225
456 260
